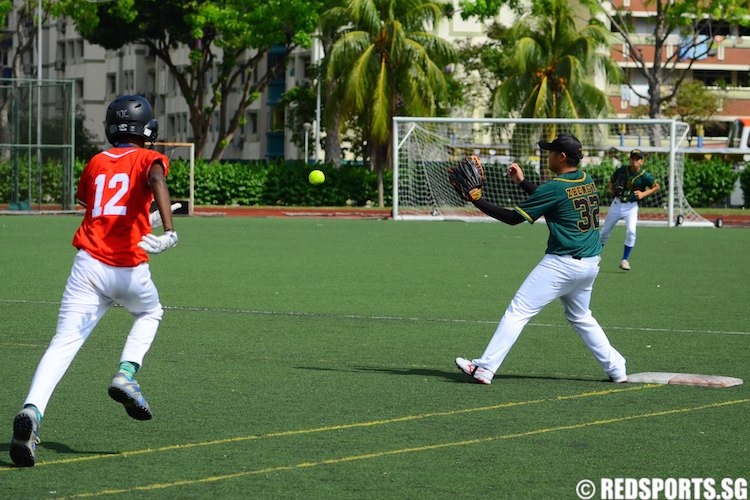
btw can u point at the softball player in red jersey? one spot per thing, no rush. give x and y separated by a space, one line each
570 204
111 266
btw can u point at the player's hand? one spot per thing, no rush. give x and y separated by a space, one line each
638 194
516 173
157 244
155 217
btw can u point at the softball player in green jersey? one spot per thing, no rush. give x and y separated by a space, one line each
629 185
570 205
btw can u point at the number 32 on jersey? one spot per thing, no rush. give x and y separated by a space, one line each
588 209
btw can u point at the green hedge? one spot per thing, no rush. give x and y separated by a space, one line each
707 182
745 183
276 183
51 175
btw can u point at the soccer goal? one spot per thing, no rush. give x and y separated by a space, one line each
181 151
424 148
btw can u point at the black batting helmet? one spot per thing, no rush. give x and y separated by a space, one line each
130 115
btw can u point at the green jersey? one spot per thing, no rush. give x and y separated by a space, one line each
633 181
570 205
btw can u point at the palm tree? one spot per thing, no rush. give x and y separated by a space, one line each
553 68
387 64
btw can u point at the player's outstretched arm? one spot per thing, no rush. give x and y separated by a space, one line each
510 217
158 183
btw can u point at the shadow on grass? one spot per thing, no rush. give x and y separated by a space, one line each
452 376
60 448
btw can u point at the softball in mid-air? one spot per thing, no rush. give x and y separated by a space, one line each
316 177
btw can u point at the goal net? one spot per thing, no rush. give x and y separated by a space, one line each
37 146
424 148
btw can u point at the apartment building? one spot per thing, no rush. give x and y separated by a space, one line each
99 75
725 69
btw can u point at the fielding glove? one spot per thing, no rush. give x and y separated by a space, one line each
467 178
157 244
155 217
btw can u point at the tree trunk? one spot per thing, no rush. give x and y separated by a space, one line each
332 143
5 128
332 120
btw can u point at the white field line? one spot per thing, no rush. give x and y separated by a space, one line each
304 314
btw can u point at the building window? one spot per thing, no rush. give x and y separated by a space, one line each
111 84
713 78
743 79
250 128
276 122
129 77
711 27
79 89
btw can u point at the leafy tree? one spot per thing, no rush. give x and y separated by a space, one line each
694 104
334 22
553 66
227 42
6 6
692 20
299 103
486 65
388 64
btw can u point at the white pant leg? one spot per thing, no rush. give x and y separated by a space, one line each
576 306
630 214
542 286
83 305
138 295
614 214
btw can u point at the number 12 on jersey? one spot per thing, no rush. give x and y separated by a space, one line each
111 207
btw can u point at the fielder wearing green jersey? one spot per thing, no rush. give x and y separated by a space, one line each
629 185
569 203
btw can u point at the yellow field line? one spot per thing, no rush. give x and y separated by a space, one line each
367 456
329 428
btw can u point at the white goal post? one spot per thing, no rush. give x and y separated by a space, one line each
424 148
184 151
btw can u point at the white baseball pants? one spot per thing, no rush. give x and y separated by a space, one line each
571 281
617 211
92 288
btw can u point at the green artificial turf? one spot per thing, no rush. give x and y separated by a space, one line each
313 358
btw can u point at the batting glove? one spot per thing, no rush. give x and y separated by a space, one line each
155 217
157 244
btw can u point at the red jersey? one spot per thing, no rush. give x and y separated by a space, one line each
114 189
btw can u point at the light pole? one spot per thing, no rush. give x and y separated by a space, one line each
307 128
38 104
316 46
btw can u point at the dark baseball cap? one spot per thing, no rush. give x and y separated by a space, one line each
636 153
564 143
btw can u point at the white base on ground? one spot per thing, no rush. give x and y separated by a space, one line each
683 379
